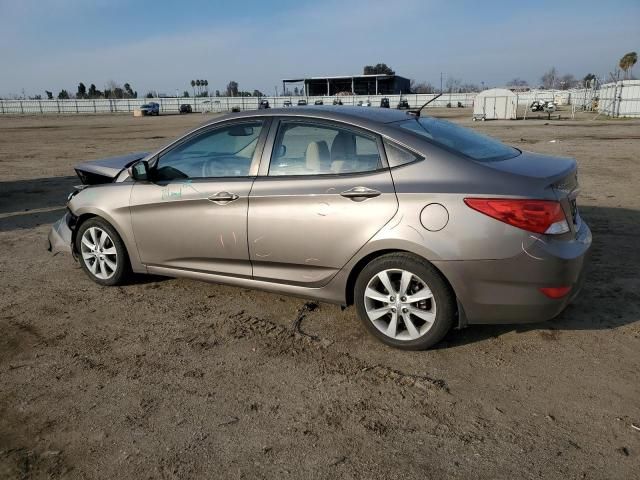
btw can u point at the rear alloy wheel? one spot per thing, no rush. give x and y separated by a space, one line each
404 301
102 253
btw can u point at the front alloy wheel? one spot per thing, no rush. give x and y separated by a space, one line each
99 253
102 252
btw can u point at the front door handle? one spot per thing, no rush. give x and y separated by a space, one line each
222 198
360 193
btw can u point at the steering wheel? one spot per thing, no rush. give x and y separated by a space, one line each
206 164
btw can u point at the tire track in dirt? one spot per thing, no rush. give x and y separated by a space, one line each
279 340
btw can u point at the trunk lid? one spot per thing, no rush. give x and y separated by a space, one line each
105 170
536 165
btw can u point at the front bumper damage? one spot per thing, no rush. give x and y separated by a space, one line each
61 236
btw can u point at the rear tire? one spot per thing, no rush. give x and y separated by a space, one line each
102 253
404 301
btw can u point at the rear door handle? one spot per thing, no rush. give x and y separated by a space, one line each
360 193
223 197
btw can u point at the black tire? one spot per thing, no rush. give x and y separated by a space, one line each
442 295
123 268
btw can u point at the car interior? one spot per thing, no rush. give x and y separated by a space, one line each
224 153
299 150
310 150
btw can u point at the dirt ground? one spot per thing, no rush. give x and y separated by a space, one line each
179 379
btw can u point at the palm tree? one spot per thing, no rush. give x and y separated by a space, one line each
193 85
206 85
627 62
198 85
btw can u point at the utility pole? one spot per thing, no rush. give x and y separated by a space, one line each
440 82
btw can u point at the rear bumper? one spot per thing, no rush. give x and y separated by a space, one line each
60 236
508 291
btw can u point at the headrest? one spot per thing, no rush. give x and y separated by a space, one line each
343 147
317 157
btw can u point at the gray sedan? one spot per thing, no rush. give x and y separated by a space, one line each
421 224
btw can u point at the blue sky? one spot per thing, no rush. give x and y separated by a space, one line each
161 45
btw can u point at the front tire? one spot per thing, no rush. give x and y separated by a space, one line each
102 253
404 301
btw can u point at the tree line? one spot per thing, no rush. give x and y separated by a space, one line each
201 89
111 90
551 79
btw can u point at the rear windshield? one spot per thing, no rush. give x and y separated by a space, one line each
459 139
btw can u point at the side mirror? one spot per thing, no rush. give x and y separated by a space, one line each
139 170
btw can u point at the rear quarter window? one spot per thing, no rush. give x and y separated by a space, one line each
396 155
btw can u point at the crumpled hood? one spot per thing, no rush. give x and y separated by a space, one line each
106 169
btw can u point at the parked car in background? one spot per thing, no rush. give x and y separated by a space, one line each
384 102
186 108
263 104
403 104
151 108
287 103
421 224
318 102
302 102
337 101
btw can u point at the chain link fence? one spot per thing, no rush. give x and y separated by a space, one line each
216 104
614 100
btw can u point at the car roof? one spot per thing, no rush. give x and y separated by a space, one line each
342 113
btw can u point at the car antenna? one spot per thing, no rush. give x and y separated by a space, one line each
417 111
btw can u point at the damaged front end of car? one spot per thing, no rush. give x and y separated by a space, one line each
61 233
92 174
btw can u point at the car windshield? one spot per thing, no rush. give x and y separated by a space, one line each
459 139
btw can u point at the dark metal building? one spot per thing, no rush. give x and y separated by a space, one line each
355 84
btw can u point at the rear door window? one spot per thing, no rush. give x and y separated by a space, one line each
303 148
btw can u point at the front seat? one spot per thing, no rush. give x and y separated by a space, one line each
343 153
317 157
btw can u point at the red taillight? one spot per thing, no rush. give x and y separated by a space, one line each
555 292
539 216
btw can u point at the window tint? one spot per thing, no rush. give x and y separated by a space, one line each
223 152
397 155
459 139
310 149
